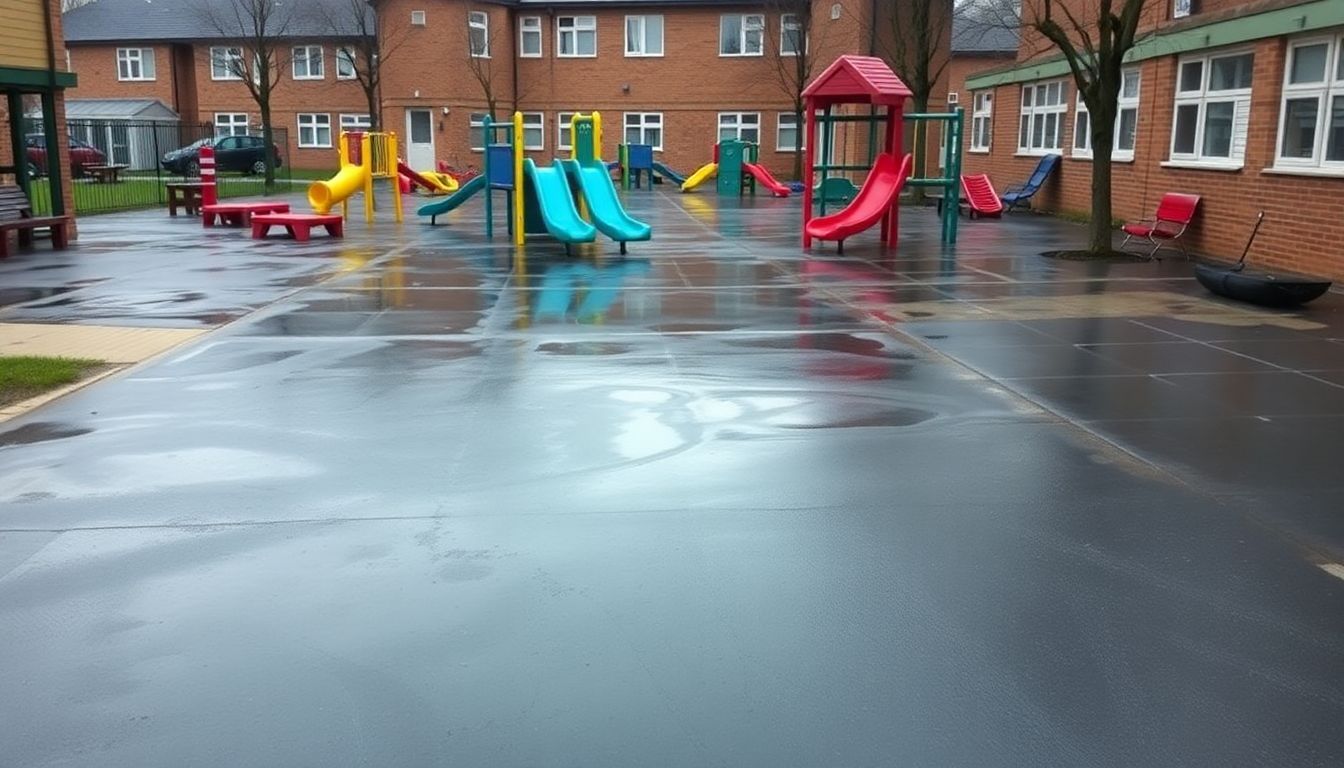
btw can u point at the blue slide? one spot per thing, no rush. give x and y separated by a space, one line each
669 174
604 206
432 210
555 203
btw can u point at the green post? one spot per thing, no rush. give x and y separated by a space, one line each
952 205
486 135
56 149
14 100
828 128
623 157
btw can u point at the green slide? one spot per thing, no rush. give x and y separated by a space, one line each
604 206
555 203
432 210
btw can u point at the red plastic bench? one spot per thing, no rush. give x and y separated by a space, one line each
238 214
298 225
980 196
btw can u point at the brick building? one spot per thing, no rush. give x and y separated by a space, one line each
1239 102
175 53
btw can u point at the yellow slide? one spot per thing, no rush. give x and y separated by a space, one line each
325 195
443 183
706 171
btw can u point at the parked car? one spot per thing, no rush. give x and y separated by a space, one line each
81 154
232 153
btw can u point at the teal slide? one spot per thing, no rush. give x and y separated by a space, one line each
432 210
555 203
604 206
669 174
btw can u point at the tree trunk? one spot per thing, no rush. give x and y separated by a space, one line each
371 95
798 142
919 145
1099 239
268 140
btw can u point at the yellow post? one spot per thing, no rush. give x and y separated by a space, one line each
574 121
396 178
344 151
597 136
366 160
519 237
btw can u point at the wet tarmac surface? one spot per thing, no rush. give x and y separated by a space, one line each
428 502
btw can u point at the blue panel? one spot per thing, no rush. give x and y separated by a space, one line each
641 157
499 158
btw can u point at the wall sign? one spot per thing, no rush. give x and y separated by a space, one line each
1182 8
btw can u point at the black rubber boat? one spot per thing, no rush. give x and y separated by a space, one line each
1269 289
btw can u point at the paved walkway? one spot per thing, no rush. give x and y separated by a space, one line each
430 501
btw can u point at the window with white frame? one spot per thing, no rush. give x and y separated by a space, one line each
135 64
1213 109
476 131
643 35
563 138
355 123
231 124
1311 122
226 63
534 130
529 37
417 18
644 128
478 30
1126 121
743 126
575 36
790 35
314 130
788 134
345 63
307 62
1041 126
982 120
741 34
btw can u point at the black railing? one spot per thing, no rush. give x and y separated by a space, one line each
123 164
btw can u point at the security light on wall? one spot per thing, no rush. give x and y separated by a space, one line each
445 110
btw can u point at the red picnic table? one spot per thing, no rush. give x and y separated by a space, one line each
298 225
238 214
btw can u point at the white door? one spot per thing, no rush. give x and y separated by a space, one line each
420 139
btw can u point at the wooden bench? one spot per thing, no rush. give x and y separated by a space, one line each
105 174
16 215
184 194
238 214
298 225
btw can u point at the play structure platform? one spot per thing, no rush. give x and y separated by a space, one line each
298 225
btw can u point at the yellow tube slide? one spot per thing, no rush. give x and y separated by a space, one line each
442 181
706 171
325 195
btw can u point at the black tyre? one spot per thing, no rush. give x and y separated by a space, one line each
193 167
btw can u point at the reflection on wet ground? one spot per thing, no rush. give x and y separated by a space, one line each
424 499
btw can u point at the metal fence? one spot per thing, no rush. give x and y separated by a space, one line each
123 164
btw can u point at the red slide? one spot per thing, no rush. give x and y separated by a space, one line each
766 179
415 177
879 193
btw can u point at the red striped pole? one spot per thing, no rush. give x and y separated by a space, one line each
209 195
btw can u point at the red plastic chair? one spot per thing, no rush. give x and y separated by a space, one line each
1174 213
980 196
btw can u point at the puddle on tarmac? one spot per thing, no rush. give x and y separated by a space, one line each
583 348
40 432
828 342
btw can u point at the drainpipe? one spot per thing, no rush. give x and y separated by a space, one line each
872 26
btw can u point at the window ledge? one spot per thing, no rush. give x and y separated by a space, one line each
643 55
1037 153
975 151
1090 157
1198 165
1327 173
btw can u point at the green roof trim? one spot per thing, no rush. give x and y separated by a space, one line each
1295 19
40 79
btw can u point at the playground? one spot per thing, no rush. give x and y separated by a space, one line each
627 474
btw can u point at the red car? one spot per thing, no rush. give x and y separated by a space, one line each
81 154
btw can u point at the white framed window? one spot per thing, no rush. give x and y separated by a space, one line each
741 34
314 130
790 35
478 31
529 37
1041 125
345 63
643 35
788 134
417 18
743 126
226 63
355 123
575 36
982 120
1213 109
476 131
644 128
534 130
231 124
1126 121
563 138
307 62
134 64
1311 116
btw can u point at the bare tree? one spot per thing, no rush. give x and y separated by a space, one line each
794 61
914 37
368 44
479 61
1094 39
260 27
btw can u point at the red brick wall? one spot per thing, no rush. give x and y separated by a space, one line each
96 66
